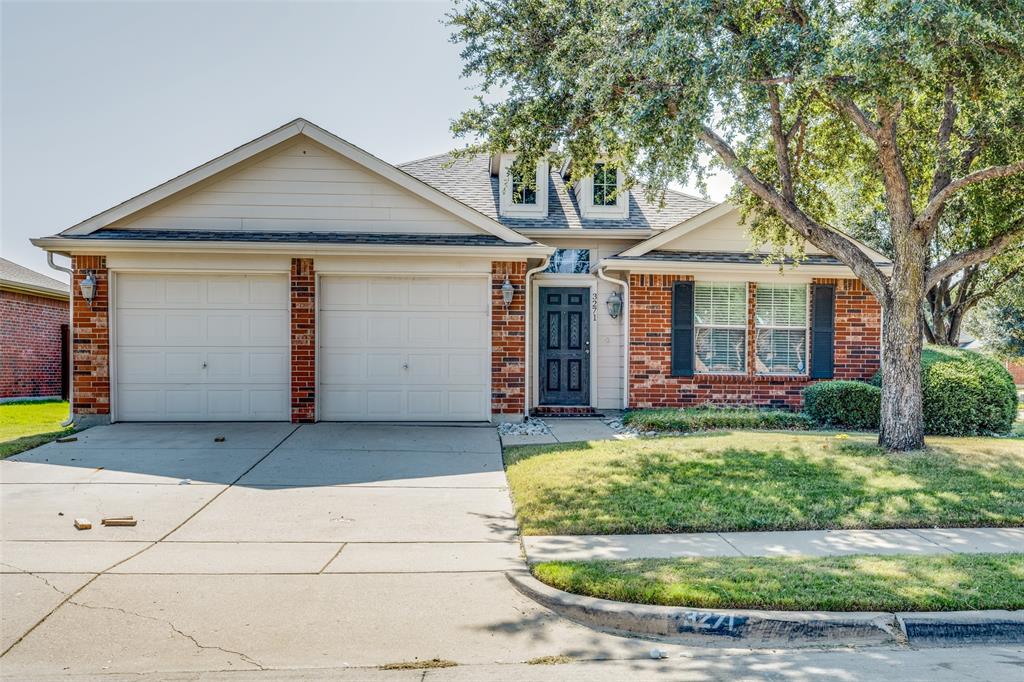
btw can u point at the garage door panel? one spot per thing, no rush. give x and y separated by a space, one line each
396 348
192 347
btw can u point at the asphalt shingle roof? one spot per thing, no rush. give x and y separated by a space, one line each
469 180
11 272
726 257
393 238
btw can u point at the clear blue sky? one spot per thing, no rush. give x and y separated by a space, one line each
101 101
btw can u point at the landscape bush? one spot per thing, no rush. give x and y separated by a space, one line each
846 404
690 419
965 393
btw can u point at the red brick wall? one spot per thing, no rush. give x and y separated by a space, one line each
91 339
30 363
303 330
858 321
508 340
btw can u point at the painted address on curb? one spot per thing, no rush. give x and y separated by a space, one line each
725 624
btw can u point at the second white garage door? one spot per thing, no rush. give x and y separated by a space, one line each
404 348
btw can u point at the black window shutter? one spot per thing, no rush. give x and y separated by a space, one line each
682 329
823 297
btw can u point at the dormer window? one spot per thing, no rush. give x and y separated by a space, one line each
606 183
601 195
523 193
520 195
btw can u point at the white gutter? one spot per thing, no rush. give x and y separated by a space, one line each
71 337
526 326
654 267
625 331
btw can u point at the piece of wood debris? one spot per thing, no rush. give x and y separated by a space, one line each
219 439
83 524
119 521
69 439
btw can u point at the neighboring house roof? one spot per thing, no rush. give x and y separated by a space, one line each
405 239
19 278
274 138
470 181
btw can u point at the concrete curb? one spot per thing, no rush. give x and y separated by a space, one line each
753 627
963 627
728 625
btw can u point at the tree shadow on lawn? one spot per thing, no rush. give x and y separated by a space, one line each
668 489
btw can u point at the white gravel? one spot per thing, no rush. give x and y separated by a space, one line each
530 427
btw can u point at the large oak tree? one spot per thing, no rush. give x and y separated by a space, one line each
795 98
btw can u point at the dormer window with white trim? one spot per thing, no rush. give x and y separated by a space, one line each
601 195
520 198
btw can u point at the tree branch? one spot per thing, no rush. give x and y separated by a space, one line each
930 215
964 259
866 126
827 240
943 173
781 142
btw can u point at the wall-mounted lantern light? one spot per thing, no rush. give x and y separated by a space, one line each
614 304
88 287
507 292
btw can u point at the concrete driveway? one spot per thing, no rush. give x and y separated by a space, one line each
320 546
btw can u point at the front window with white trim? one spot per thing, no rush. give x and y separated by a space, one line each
720 327
780 319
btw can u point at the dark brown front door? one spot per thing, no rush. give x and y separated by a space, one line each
564 344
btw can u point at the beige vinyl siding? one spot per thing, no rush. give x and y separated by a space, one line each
302 187
722 234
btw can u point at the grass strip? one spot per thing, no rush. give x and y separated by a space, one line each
950 582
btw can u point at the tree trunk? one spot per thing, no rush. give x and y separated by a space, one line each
902 423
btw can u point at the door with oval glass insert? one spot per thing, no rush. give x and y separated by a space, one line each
564 345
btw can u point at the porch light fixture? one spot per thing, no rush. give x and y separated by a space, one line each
614 304
88 287
507 292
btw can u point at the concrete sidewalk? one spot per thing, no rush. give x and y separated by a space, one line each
565 430
786 543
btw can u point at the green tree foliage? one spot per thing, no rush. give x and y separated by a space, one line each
810 104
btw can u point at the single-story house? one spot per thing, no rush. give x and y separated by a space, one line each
299 277
33 334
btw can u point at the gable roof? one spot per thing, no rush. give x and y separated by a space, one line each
653 243
469 180
18 277
274 138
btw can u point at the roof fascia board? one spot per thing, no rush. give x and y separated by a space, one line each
568 233
689 267
688 225
410 183
103 246
187 179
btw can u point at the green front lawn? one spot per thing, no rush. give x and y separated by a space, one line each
732 481
24 426
950 582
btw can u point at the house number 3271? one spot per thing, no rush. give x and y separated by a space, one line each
593 306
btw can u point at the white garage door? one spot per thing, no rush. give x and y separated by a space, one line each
404 348
192 347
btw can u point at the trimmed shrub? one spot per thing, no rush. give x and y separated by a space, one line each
847 404
690 419
965 393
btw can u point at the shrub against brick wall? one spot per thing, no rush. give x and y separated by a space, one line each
30 364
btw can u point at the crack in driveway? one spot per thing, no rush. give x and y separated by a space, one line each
242 655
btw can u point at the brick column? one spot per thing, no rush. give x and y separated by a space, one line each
508 340
303 334
91 341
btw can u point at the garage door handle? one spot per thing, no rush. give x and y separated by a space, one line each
204 365
405 365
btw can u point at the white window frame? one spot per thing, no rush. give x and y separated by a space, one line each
506 206
585 199
741 327
806 329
